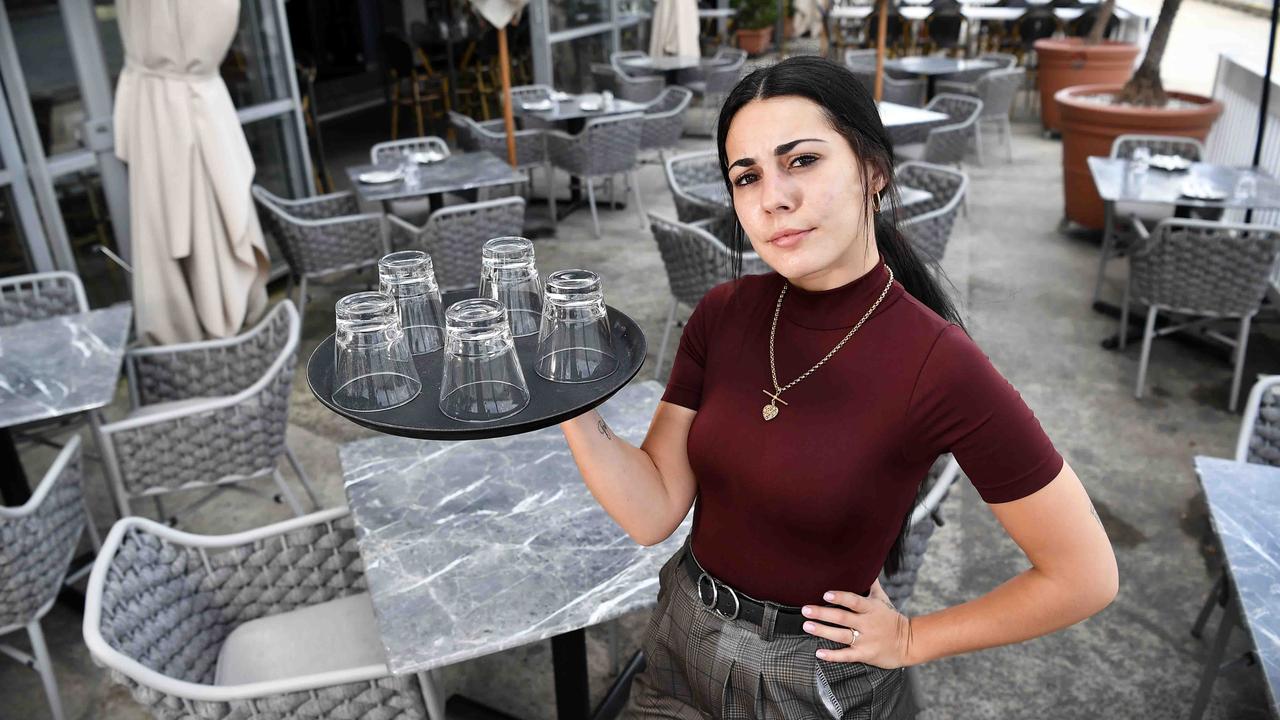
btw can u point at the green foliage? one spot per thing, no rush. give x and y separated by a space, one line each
756 14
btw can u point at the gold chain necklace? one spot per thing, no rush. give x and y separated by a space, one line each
770 411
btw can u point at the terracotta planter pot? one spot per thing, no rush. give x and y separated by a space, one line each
1065 62
755 41
1089 128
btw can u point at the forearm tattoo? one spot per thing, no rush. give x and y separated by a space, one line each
603 427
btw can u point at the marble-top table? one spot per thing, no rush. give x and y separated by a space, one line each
666 63
55 367
459 171
1117 182
571 109
1244 507
471 548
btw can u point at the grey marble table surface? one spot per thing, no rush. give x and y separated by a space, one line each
460 171
1117 182
934 65
666 62
62 365
715 192
1244 507
471 548
894 115
572 109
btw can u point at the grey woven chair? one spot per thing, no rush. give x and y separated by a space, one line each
1259 439
690 170
714 83
1119 233
636 88
606 147
1003 61
322 235
696 261
997 90
207 415
617 59
948 144
1199 269
454 237
270 624
39 296
491 137
903 91
664 121
391 151
928 224
37 542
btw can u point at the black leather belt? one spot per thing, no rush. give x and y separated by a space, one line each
731 604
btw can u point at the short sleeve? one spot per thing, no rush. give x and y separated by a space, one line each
961 404
684 387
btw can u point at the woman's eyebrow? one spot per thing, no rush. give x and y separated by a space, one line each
782 149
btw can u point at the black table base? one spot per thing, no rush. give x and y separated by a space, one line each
573 697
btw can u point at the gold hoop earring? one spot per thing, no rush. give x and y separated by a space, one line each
875 202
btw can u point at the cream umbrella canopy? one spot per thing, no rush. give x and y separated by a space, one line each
675 29
200 263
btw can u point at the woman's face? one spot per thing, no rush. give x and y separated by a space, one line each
798 191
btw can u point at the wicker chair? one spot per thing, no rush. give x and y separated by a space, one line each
618 59
664 121
928 224
1207 270
321 235
714 83
997 90
690 170
491 137
392 151
214 627
454 237
207 415
605 147
1119 234
37 542
40 296
902 92
696 261
947 145
1259 439
636 88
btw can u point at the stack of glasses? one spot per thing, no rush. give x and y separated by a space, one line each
378 333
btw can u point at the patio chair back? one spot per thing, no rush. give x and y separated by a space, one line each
1259 440
454 237
1204 268
39 296
664 119
948 144
691 170
928 224
606 146
322 234
392 150
1189 148
998 89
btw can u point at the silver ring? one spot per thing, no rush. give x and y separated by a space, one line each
856 634
715 593
737 605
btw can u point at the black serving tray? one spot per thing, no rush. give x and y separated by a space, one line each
550 403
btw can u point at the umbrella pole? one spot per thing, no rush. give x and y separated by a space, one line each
504 65
882 27
1266 85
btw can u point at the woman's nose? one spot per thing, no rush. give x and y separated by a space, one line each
778 193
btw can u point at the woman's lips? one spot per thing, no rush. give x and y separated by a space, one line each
790 239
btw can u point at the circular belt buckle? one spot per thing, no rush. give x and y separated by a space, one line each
715 593
737 606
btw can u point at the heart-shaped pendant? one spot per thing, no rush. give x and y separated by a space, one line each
770 411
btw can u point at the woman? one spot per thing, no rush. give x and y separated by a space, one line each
804 410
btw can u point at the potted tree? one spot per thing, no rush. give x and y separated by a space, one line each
1066 61
754 23
1094 115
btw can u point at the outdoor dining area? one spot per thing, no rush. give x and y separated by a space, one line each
358 503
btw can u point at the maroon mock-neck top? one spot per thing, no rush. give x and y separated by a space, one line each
812 500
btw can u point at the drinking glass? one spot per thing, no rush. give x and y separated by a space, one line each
508 275
574 342
1141 157
409 170
373 368
1246 186
482 379
409 278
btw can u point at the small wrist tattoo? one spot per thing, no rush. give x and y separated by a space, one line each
603 427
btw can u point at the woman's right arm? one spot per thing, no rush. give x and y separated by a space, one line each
647 490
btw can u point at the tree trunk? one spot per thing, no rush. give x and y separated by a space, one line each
1100 23
1145 88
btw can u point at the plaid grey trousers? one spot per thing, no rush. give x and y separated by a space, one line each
700 665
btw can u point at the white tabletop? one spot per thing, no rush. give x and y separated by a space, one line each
895 115
859 12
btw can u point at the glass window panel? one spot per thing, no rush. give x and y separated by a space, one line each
14 259
274 144
45 56
84 212
566 14
572 61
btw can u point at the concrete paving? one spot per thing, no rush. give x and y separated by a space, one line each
1024 291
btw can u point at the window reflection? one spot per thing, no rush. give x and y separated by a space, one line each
572 61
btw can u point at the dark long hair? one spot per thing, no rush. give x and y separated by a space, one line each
853 114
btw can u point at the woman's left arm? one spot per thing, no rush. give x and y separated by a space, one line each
1073 575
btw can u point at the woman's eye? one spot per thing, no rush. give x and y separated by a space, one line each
745 179
803 160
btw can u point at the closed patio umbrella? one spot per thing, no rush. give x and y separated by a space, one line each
675 29
200 263
500 13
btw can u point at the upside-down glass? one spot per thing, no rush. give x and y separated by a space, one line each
481 379
373 368
574 342
409 277
508 275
